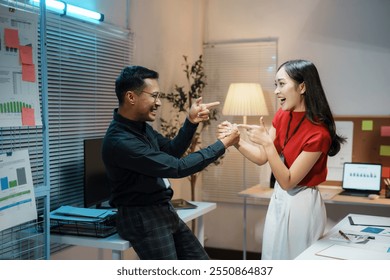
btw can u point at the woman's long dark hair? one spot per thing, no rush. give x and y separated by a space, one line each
317 106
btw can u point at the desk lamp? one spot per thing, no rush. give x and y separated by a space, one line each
245 99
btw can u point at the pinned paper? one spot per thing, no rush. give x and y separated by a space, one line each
367 125
28 118
385 131
28 72
11 38
25 53
384 150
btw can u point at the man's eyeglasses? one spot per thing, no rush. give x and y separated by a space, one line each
156 95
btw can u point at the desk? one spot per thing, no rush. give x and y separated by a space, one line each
326 248
117 244
328 193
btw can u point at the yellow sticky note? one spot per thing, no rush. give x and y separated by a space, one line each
367 125
384 150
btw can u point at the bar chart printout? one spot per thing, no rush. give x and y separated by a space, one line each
17 199
19 69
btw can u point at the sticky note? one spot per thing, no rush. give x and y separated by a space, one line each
385 172
385 131
28 117
28 72
367 125
11 38
384 150
25 54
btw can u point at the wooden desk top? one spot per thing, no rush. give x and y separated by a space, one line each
328 193
265 192
257 191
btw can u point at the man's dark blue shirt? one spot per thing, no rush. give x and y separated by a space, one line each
137 158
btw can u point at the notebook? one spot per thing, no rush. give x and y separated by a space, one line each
361 179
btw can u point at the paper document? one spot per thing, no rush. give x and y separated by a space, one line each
19 68
71 213
17 198
352 253
369 221
335 164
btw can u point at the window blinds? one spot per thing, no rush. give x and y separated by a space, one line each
227 63
83 62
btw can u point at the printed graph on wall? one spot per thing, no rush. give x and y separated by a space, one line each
17 198
19 98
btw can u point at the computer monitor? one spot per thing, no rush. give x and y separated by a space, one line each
96 188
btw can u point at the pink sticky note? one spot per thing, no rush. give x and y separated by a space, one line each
25 53
28 117
385 131
28 72
385 172
11 38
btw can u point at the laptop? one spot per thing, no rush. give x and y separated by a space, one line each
361 179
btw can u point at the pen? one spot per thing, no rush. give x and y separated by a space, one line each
344 235
359 235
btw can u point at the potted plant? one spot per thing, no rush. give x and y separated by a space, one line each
181 100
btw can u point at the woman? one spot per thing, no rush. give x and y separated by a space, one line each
302 135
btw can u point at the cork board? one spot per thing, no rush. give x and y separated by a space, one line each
371 141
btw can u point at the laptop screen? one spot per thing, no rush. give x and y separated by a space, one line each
362 177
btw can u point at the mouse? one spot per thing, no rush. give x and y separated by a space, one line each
373 196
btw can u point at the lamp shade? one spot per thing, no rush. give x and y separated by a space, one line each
245 99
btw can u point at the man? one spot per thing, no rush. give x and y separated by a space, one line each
138 159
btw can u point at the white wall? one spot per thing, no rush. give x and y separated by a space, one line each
347 40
